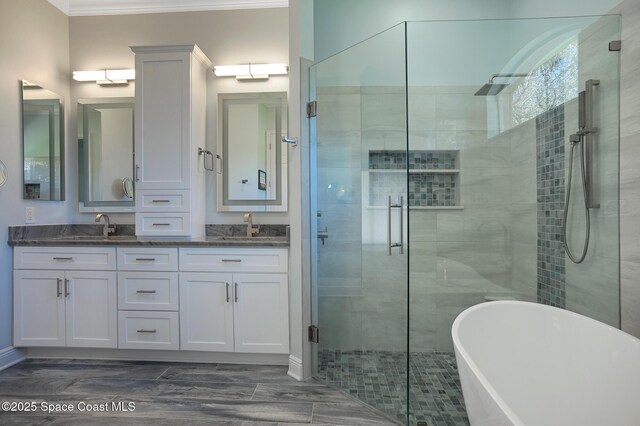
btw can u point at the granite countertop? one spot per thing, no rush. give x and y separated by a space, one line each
91 235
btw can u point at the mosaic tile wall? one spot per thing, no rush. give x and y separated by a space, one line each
550 166
425 189
421 160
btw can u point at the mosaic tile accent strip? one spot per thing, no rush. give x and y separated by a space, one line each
419 160
550 166
425 189
379 378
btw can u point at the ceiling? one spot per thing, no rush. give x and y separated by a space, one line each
121 7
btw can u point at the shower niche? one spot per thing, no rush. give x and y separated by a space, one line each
434 178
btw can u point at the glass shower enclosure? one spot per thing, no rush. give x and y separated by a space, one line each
440 154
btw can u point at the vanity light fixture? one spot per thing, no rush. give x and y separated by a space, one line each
250 71
106 77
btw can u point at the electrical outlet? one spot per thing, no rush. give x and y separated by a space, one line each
29 215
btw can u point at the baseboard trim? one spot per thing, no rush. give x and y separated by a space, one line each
10 356
296 369
157 355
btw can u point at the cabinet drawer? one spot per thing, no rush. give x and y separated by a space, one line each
162 201
148 330
68 258
151 291
233 260
147 259
162 224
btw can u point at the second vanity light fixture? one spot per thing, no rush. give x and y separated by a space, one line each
106 77
250 71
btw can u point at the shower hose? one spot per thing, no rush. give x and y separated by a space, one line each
587 215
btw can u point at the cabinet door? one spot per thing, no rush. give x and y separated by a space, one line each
206 312
162 124
38 304
261 313
92 309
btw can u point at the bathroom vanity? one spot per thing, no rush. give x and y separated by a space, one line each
221 294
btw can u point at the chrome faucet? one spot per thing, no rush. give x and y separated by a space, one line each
250 228
108 228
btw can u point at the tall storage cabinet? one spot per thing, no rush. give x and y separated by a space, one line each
170 111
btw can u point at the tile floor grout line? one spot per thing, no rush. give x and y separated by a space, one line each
161 374
254 392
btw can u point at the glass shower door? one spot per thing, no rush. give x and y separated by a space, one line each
359 199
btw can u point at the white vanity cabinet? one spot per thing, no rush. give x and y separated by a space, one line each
65 297
170 110
234 300
148 298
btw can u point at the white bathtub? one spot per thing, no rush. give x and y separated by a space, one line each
528 364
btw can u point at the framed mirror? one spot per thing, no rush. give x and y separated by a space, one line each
252 165
105 155
42 143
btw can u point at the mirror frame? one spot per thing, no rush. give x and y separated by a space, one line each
61 143
280 203
103 206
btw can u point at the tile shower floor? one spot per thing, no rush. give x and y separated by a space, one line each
176 393
379 379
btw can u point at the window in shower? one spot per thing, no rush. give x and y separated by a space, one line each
550 84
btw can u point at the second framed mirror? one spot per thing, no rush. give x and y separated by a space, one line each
105 155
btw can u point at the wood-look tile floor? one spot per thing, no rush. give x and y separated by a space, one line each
174 393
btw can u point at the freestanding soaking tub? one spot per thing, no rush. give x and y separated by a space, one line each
529 364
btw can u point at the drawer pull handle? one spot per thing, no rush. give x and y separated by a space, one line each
145 259
227 292
63 259
161 224
67 292
160 201
232 260
146 291
59 287
146 331
236 288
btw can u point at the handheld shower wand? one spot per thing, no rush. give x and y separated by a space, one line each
582 137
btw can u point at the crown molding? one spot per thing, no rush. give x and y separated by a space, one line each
63 5
122 7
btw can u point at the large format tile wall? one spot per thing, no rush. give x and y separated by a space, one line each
629 166
457 256
593 287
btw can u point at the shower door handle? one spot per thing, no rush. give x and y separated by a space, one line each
391 245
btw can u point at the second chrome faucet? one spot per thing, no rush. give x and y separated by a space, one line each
250 228
108 228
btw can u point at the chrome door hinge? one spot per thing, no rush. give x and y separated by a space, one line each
615 46
314 334
312 108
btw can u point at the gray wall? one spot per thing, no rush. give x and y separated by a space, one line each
34 45
226 37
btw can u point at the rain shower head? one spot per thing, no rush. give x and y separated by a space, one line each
492 89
